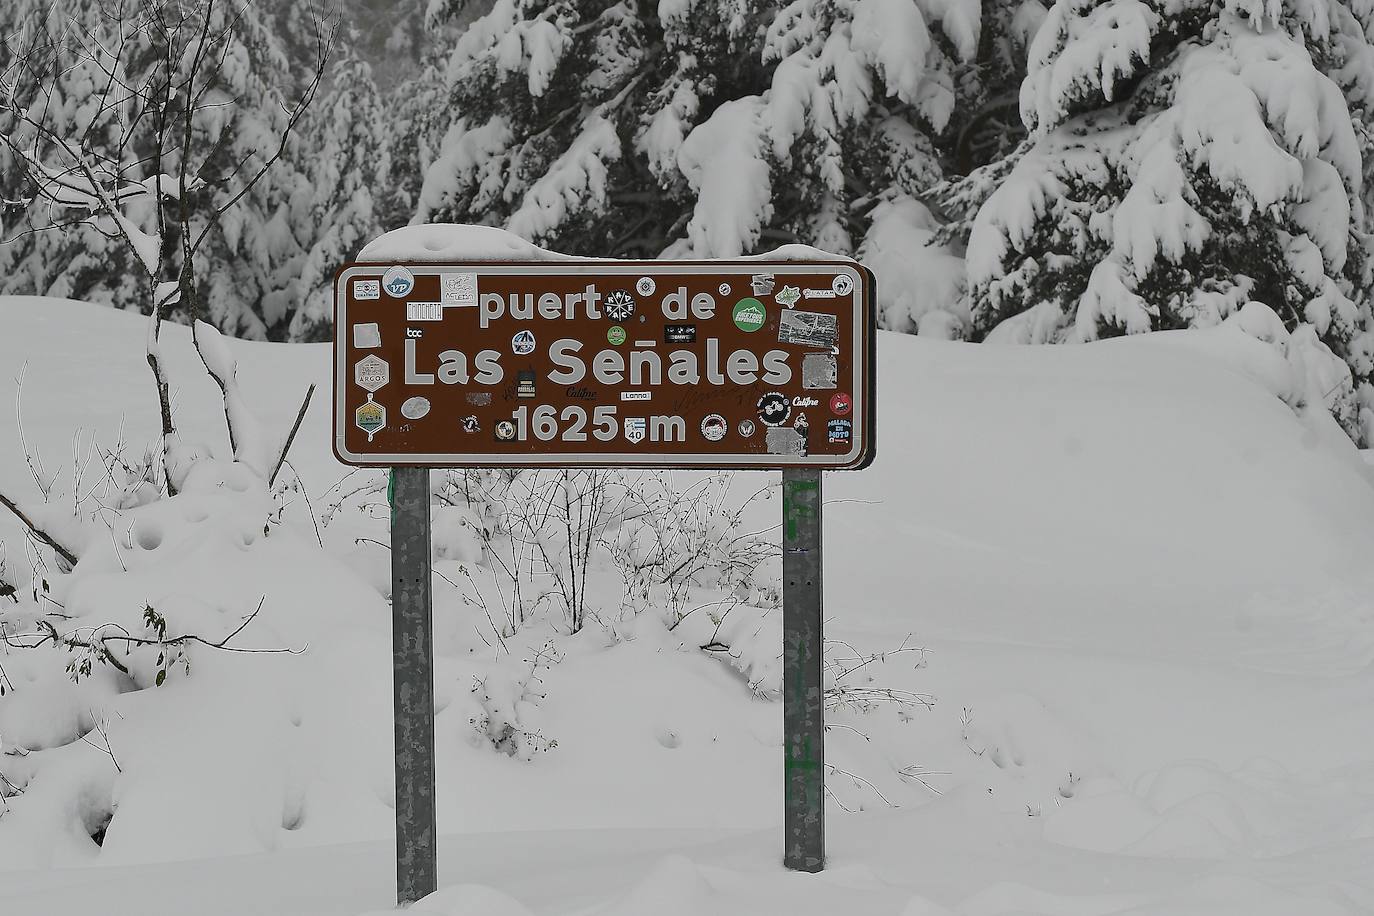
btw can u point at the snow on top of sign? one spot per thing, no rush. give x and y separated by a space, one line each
455 242
460 242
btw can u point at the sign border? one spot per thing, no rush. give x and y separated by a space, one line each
864 323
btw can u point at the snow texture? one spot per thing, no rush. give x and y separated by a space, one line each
1056 799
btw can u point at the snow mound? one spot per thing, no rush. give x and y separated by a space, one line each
454 242
462 900
440 242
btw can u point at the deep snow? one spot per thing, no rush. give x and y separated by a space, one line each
1140 577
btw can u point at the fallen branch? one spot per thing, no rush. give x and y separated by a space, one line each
37 532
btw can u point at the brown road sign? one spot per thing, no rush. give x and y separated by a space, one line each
711 364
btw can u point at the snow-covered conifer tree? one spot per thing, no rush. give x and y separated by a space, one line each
78 260
345 158
699 128
92 85
1188 161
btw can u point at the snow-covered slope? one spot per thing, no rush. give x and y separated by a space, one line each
1139 575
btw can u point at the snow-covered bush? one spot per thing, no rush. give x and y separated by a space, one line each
155 568
530 563
532 541
1187 160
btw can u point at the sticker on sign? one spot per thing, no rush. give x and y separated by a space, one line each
604 364
424 311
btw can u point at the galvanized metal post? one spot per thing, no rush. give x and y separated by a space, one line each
412 660
803 695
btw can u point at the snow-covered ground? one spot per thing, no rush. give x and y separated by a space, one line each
1141 581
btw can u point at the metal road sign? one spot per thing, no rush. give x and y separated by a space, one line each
711 364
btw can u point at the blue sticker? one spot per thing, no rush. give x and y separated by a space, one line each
398 282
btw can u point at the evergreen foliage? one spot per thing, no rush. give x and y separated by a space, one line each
1012 171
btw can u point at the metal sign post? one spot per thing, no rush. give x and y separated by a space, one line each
749 364
803 689
412 662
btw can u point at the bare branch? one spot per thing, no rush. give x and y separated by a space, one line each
291 436
66 554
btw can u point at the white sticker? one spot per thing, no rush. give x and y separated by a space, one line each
636 428
522 344
458 289
843 284
424 311
398 282
636 395
367 336
367 289
415 408
372 373
645 286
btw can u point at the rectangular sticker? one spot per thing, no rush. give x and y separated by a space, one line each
367 336
808 329
785 440
367 289
458 289
820 371
424 311
679 333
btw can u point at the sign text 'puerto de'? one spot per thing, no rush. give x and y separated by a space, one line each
718 364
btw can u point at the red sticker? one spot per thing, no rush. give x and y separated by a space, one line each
840 404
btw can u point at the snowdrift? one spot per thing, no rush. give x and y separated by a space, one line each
1138 574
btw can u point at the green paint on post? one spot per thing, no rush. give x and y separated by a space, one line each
794 503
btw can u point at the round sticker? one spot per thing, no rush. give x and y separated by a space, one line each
840 404
843 284
714 427
415 408
505 430
724 289
749 314
615 335
522 344
619 306
774 409
645 286
746 428
398 282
